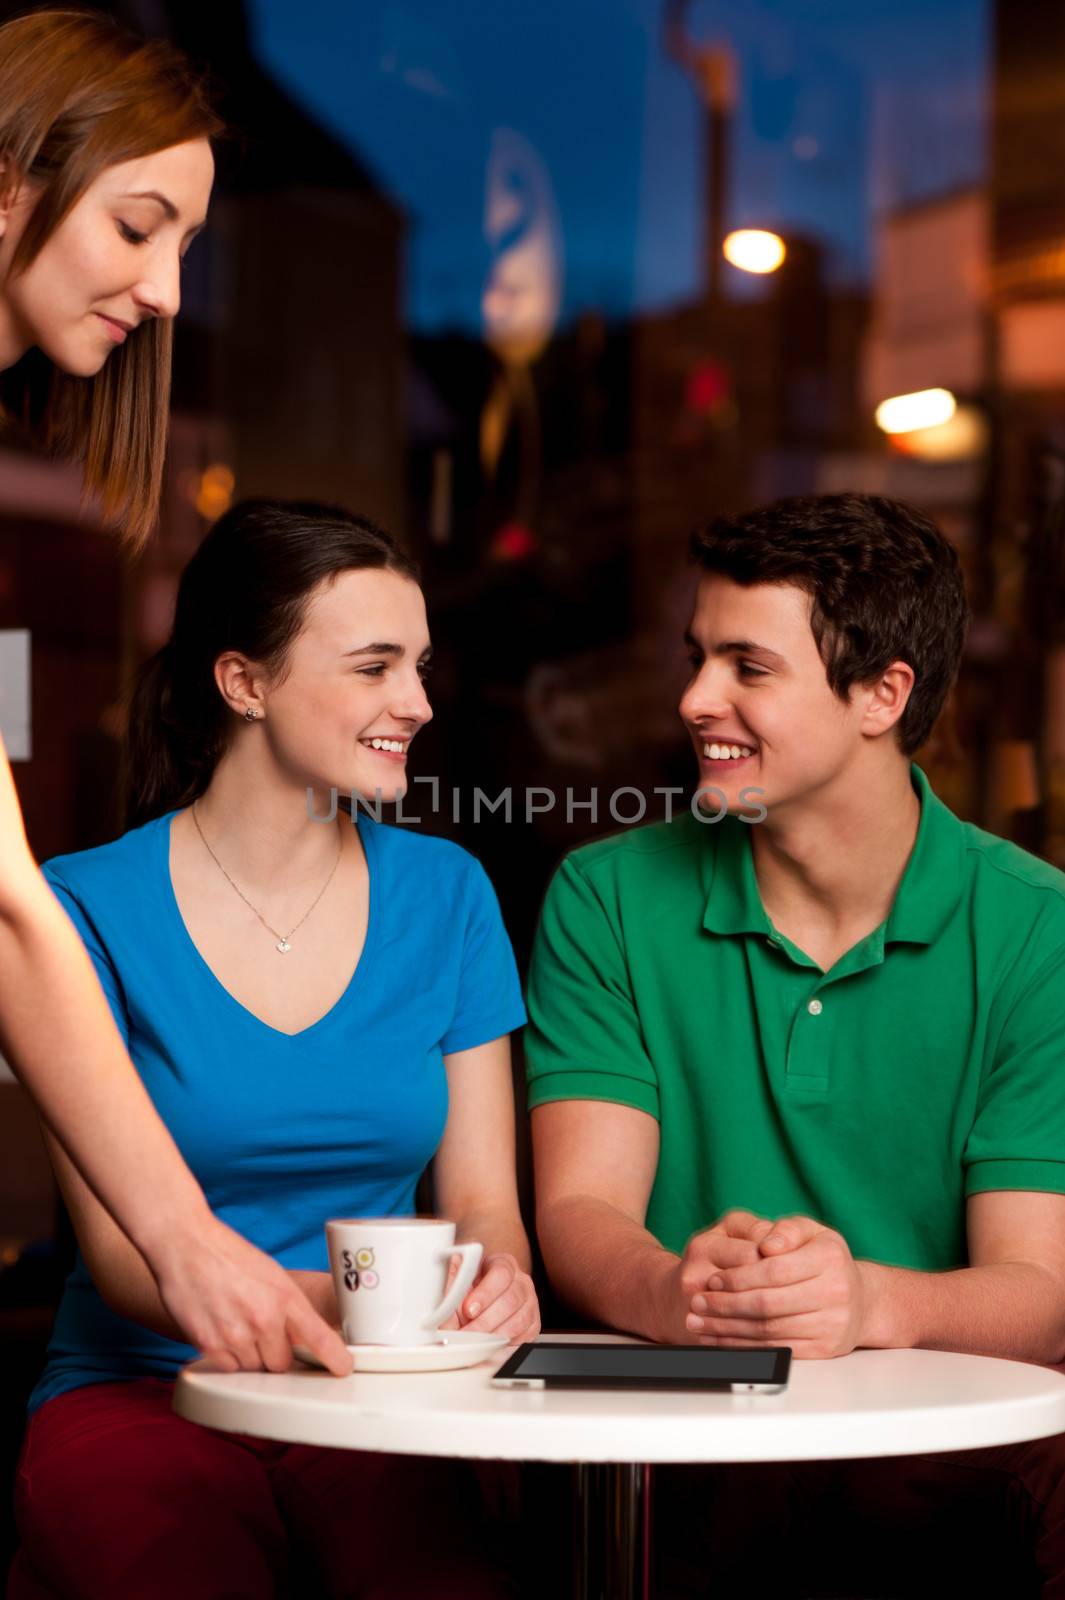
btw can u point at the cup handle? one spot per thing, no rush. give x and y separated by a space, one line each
471 1259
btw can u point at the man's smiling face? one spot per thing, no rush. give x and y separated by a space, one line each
758 706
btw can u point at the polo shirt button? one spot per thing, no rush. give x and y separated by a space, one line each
815 1008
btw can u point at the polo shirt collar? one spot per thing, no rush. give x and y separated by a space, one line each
924 902
932 884
733 904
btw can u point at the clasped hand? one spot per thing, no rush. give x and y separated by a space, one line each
748 1281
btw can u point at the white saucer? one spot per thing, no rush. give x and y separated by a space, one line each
447 1352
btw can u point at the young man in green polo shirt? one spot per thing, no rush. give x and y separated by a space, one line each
801 1080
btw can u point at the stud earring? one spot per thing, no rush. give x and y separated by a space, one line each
250 714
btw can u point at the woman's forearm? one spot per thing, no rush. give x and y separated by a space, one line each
130 1290
500 1230
58 1034
121 1274
125 1283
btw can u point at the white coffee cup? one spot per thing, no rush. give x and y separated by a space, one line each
390 1273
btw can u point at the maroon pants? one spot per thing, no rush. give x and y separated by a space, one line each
118 1497
975 1522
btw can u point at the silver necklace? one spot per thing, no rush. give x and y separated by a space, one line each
283 939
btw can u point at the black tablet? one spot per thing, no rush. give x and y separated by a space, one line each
645 1366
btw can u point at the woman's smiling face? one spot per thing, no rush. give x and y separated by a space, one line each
112 263
352 687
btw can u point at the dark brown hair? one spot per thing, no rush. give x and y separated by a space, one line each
245 589
79 94
884 585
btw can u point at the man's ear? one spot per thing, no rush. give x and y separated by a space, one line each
888 698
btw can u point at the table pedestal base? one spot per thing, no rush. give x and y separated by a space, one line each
613 1544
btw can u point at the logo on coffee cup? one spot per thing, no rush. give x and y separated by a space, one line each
358 1269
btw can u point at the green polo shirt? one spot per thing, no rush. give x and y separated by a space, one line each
927 1065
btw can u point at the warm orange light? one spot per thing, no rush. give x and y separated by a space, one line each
214 490
926 408
963 437
754 250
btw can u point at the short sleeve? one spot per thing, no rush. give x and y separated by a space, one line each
584 1040
105 971
489 1001
1017 1139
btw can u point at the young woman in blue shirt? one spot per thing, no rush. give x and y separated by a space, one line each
319 1011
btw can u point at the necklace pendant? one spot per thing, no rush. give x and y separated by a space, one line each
284 946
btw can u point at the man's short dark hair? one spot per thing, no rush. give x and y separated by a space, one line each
884 585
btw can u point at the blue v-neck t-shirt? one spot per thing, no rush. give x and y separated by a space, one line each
284 1130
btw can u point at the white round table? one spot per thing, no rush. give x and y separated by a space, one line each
871 1403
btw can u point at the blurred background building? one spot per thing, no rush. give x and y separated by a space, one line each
473 270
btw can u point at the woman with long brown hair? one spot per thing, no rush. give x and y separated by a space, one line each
321 1004
105 174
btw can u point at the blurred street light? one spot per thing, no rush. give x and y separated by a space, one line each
963 437
926 408
754 250
214 490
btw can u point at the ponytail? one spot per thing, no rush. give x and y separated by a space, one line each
169 761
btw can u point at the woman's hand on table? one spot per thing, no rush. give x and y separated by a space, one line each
239 1307
501 1300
